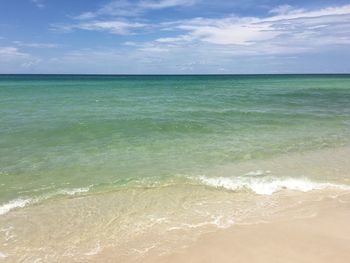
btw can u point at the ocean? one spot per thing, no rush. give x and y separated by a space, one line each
96 163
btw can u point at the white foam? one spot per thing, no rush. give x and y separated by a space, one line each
2 255
222 222
73 191
257 173
268 186
95 250
218 221
20 202
17 203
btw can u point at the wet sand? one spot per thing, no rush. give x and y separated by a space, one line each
322 237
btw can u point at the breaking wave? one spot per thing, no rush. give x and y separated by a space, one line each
22 202
268 185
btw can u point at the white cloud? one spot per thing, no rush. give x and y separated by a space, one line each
30 63
9 52
118 27
284 9
91 61
38 3
286 30
112 26
160 4
130 43
114 8
35 45
174 39
291 13
154 49
228 31
199 45
13 60
128 8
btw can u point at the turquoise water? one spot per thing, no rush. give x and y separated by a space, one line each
72 132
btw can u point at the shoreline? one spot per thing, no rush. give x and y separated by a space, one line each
198 221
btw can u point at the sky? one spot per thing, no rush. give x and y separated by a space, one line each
174 36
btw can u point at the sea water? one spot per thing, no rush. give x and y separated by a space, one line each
167 152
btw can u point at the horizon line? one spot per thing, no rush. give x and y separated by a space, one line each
166 74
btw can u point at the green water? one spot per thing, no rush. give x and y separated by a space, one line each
66 132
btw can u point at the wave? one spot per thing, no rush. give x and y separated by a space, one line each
22 202
258 182
268 185
73 191
5 208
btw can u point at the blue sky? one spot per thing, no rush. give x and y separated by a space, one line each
174 36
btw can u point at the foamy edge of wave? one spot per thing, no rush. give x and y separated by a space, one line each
2 255
268 186
16 203
22 202
73 191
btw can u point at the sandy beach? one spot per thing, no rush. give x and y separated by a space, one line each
301 221
322 237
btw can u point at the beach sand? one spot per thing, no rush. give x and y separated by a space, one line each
322 237
301 221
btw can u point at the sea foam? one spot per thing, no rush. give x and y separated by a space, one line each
22 202
17 203
73 191
268 185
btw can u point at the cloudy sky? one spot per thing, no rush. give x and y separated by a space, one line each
174 36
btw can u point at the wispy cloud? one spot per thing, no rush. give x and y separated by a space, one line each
160 4
35 45
12 56
128 8
198 44
114 8
11 52
39 3
119 27
285 30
